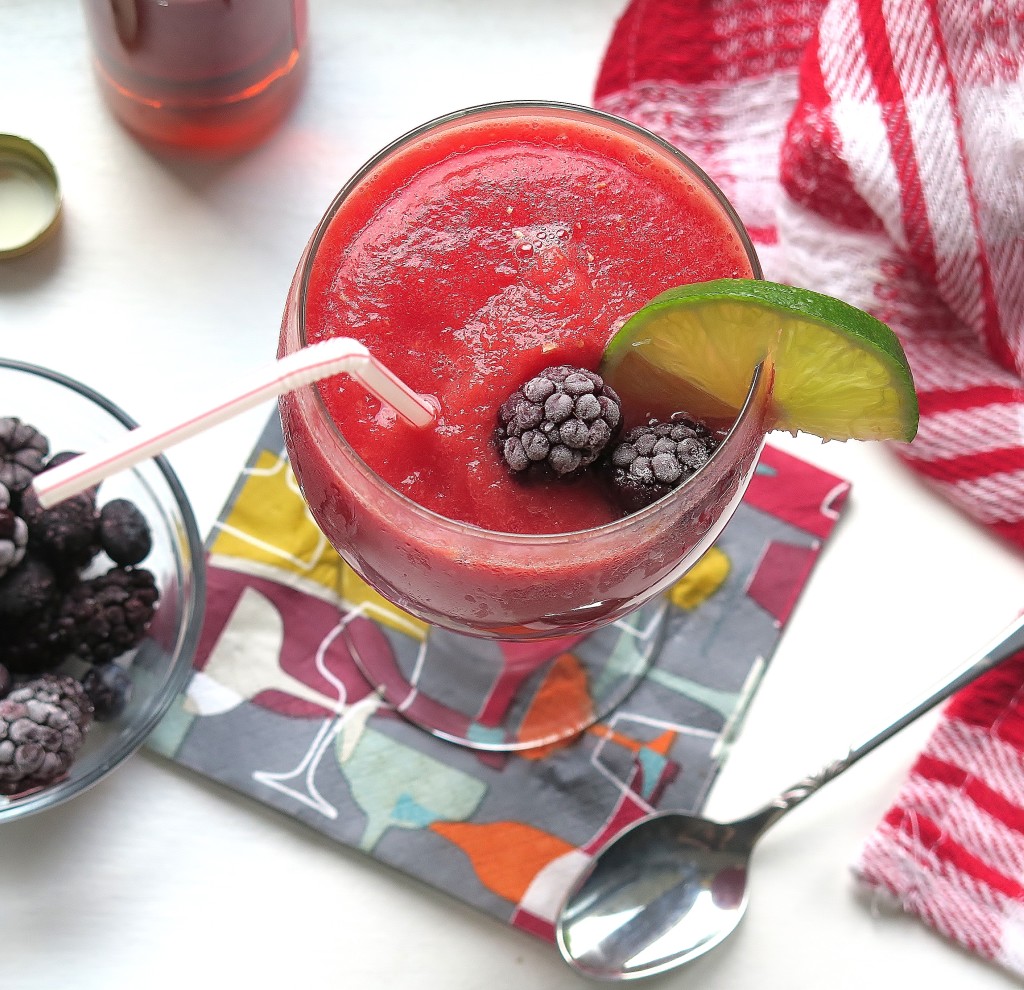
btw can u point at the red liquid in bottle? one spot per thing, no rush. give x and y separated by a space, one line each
204 75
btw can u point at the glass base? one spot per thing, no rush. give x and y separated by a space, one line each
505 696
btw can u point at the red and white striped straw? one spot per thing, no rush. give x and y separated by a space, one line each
310 364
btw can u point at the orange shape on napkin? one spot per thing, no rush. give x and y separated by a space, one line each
506 856
563 696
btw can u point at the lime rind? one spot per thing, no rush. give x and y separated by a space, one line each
840 373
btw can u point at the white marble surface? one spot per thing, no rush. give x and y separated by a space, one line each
156 878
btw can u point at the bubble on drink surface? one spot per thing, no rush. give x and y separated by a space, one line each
385 416
542 238
433 401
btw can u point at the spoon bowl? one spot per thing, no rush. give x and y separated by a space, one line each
672 886
665 891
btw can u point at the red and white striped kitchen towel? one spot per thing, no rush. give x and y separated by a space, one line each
875 151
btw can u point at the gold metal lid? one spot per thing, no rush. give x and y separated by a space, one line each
30 197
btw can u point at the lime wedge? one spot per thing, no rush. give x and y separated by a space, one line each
840 374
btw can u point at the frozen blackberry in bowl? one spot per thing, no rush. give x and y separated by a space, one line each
114 578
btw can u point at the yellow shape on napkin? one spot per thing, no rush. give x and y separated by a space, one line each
356 593
701 581
269 524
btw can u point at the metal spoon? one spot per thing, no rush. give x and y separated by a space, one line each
672 885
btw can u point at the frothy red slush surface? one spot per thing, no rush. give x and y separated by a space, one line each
474 258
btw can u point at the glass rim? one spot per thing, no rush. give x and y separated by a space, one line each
371 476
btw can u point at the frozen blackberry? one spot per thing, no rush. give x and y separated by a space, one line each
105 616
67 534
27 589
560 420
22 452
42 727
124 532
109 688
651 460
34 644
13 534
5 681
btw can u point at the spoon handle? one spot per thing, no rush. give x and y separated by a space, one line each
1010 641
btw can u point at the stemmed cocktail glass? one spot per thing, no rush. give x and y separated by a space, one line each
511 610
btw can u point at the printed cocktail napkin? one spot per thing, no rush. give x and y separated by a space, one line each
278 710
875 151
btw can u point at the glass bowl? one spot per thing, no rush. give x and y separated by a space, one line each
74 417
504 609
483 583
